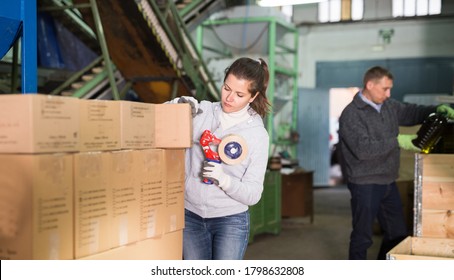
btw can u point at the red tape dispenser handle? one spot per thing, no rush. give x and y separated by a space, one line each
206 140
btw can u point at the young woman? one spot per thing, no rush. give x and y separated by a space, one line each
216 215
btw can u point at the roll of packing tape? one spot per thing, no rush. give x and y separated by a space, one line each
233 149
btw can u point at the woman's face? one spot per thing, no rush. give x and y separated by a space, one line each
235 94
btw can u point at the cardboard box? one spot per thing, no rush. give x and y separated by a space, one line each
125 189
173 126
36 213
99 125
92 203
38 123
137 125
145 126
150 174
165 247
174 203
434 204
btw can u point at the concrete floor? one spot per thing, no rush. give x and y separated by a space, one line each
327 238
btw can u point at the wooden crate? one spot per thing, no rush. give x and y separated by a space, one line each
423 248
434 210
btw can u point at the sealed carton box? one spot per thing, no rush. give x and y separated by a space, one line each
92 203
173 126
137 125
125 189
165 247
38 123
36 213
150 175
434 204
145 126
174 199
99 125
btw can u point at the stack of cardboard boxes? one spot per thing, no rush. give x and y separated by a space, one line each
91 179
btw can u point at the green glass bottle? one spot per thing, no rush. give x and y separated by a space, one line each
430 132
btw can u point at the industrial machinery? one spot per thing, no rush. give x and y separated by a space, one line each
18 21
139 45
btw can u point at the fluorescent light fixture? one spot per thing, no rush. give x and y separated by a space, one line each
274 3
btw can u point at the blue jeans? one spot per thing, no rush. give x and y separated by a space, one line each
369 202
222 238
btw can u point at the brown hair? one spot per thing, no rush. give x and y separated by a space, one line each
255 71
376 73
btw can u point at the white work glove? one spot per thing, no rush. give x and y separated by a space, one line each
213 170
195 110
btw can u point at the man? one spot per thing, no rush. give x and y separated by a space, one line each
370 147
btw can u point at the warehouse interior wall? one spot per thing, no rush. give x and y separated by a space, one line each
421 38
335 55
426 75
417 37
313 128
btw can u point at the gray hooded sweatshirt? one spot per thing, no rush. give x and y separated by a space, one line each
247 177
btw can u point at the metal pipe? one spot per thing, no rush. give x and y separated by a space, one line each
29 49
74 6
105 50
90 84
15 68
125 89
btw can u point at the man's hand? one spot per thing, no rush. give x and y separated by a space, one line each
405 142
214 171
446 110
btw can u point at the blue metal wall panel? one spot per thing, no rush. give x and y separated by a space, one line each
424 99
429 75
313 128
49 55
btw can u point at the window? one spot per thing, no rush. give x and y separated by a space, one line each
357 9
287 11
411 8
337 10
